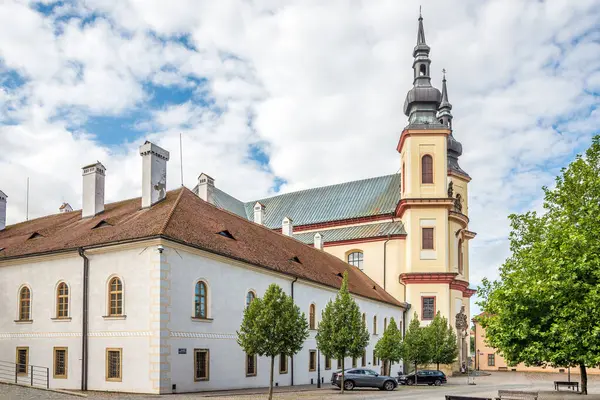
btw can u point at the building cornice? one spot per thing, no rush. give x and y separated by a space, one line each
459 217
459 176
341 222
445 278
365 240
404 204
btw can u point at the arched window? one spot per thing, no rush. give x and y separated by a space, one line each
24 304
62 300
115 297
311 317
200 303
356 259
460 256
426 169
249 297
384 324
422 70
375 325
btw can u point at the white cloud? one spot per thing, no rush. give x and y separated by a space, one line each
323 84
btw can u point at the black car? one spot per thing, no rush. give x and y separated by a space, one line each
363 377
424 376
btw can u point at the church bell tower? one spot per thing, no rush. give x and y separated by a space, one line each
433 205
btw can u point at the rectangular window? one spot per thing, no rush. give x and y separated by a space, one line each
339 363
22 360
312 360
201 364
354 362
283 364
114 364
60 363
364 359
327 362
251 365
428 308
427 238
491 360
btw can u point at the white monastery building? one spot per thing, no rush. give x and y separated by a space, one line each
146 294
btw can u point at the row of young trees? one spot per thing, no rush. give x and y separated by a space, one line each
274 326
543 310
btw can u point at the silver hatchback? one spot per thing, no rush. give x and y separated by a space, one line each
363 377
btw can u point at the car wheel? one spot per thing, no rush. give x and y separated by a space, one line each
348 385
389 385
410 383
437 382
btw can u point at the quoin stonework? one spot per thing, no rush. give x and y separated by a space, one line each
146 294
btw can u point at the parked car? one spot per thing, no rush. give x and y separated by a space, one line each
424 376
363 377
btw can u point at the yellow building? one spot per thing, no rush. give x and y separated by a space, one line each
488 359
409 232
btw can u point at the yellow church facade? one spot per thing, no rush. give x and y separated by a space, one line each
409 232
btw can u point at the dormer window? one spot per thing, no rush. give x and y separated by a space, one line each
101 224
35 235
295 259
226 234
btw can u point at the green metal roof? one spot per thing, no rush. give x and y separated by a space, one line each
363 198
230 203
355 232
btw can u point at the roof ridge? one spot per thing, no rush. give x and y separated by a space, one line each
320 187
175 204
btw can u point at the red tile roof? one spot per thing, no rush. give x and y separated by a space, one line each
183 217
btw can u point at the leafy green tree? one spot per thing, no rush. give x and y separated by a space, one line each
342 333
444 345
416 347
544 308
273 326
389 347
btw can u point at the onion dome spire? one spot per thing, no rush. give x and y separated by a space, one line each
423 100
444 114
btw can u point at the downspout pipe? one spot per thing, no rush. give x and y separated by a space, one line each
292 356
84 333
385 259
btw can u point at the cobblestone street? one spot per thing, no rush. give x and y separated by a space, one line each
485 387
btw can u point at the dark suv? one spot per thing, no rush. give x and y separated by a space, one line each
424 376
363 377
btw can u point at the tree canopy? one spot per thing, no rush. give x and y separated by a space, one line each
273 326
444 345
416 348
545 307
342 333
389 347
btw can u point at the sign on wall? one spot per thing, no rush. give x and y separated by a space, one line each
182 351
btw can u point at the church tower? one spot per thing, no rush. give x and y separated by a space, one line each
433 205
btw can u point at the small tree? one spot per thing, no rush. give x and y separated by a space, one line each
416 348
273 326
389 347
342 332
444 346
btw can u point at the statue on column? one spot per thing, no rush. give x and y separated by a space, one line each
462 326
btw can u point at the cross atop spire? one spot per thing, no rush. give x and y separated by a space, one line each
421 32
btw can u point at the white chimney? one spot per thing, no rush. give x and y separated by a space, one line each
287 228
318 241
65 207
259 213
206 188
3 198
93 189
154 173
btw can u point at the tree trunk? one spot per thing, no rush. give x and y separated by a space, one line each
415 373
583 379
342 385
438 366
271 378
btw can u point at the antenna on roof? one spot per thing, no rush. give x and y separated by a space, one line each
181 158
27 202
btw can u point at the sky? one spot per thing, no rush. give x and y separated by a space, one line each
276 96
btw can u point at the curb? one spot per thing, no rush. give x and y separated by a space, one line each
44 389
